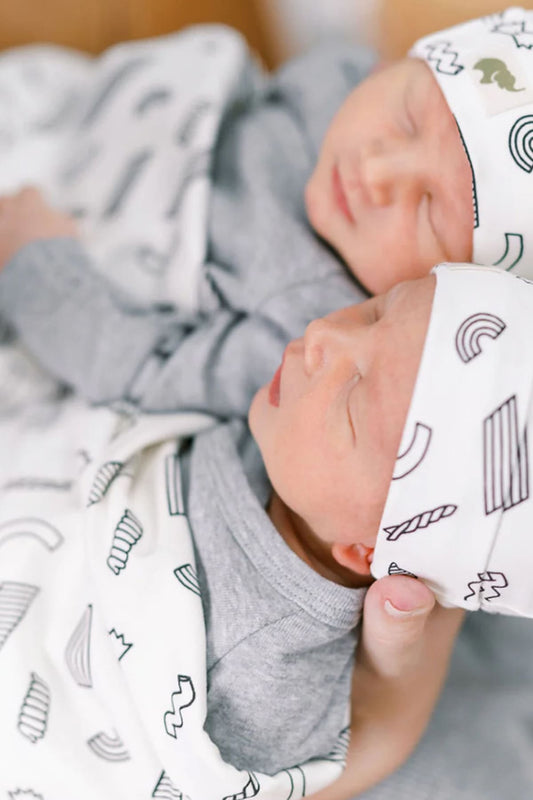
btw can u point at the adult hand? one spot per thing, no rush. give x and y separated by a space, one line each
25 217
402 661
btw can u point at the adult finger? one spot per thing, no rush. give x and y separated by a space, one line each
395 615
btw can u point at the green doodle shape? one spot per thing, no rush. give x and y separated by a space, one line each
496 71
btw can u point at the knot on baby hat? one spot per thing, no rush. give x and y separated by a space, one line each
459 512
485 70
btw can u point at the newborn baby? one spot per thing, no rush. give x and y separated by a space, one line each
425 161
328 425
430 148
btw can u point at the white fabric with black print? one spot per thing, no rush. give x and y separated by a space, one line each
103 685
485 70
459 514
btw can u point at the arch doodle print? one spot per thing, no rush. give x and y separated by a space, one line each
472 329
110 748
15 600
517 31
487 581
45 533
297 787
419 521
78 650
33 715
410 458
181 699
514 250
443 58
505 459
251 789
521 142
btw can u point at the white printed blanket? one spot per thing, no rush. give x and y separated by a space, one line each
102 642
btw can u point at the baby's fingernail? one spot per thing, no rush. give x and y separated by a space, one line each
399 612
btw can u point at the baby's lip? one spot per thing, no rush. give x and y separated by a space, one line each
340 195
274 390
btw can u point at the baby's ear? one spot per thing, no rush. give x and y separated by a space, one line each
357 557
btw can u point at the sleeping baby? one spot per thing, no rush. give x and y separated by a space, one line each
302 512
425 161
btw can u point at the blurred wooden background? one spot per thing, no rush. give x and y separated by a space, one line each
96 24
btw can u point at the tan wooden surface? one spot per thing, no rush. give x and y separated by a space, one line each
93 25
401 22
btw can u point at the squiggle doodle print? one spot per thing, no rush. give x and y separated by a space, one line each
181 699
487 582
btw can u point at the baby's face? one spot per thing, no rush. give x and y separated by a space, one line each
330 422
392 188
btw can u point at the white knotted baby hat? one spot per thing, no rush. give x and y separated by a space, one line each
459 512
485 70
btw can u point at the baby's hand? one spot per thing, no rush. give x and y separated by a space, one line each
25 217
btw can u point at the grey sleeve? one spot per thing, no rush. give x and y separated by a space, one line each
77 324
95 339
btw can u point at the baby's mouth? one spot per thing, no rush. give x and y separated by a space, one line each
274 388
340 196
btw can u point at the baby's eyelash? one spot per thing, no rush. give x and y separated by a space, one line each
410 124
426 201
348 408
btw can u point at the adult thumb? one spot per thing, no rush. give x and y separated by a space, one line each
395 614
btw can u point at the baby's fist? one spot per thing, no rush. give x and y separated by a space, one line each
25 217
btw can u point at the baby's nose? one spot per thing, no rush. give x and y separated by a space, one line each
389 174
323 340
